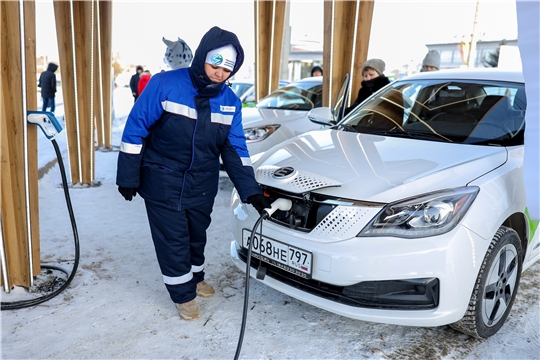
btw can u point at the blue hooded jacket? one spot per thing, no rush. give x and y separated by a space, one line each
177 130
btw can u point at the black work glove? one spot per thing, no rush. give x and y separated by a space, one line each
127 193
260 202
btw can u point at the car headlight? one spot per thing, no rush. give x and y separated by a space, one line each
255 134
427 215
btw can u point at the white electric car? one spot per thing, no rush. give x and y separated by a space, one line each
409 211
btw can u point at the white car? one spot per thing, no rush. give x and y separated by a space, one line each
240 87
281 115
410 211
245 90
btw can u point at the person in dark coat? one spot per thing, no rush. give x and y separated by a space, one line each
374 80
178 128
316 71
134 82
47 83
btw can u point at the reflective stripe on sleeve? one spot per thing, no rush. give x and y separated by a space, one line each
179 109
197 268
130 148
221 118
176 280
246 161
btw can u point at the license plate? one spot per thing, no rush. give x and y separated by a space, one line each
289 258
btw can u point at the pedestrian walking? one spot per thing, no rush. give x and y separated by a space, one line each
47 83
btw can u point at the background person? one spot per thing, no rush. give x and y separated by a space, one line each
374 80
143 81
174 136
47 83
432 61
134 82
316 71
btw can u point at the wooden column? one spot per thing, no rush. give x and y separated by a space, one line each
269 25
19 209
76 37
103 80
347 28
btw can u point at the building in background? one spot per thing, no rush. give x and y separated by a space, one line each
454 55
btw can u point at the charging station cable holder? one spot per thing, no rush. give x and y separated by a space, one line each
46 121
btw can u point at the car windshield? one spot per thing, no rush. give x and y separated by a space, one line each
240 88
457 111
295 96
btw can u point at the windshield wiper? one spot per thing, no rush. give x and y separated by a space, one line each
410 134
348 127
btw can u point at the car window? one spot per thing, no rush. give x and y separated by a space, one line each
295 96
468 112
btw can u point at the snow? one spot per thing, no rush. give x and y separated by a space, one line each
118 307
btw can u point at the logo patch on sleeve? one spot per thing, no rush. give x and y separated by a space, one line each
224 108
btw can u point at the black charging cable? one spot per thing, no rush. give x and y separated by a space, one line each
264 216
27 303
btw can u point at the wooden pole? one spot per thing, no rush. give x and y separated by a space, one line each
347 28
84 38
62 15
15 206
76 38
104 27
32 130
269 26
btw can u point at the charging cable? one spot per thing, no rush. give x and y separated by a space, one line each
279 204
47 122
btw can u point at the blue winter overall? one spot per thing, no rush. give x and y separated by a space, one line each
177 130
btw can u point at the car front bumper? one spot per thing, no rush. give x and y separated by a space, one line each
452 260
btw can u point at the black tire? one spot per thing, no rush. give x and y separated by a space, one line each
495 288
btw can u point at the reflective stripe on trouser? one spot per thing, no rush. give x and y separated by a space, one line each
179 240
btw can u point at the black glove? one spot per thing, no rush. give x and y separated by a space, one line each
127 193
260 202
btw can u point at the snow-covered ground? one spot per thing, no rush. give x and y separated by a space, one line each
117 306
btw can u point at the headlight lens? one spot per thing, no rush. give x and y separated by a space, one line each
255 134
427 215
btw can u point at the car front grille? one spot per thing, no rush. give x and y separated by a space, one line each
325 215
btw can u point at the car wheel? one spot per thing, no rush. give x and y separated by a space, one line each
495 288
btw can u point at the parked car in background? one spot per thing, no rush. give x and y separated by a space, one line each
241 86
245 90
283 114
410 211
248 97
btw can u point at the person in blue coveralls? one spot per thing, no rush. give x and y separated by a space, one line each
174 135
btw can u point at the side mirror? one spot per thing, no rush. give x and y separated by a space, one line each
321 116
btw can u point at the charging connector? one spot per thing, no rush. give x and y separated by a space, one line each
279 204
46 121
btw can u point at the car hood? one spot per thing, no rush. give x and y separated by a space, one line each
371 167
252 117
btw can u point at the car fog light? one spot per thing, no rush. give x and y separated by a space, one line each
396 294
